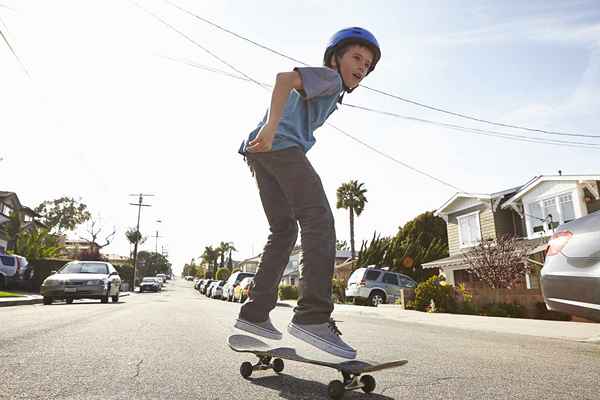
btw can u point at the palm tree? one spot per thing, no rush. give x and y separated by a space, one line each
133 236
210 256
351 196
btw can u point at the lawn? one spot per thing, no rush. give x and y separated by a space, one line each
8 294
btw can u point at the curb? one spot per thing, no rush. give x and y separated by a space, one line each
20 302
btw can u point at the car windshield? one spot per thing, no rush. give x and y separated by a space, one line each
84 268
148 280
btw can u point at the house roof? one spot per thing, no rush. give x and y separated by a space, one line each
545 178
498 195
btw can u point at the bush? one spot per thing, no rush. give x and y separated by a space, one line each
513 310
223 274
287 292
437 289
543 313
42 269
125 272
338 291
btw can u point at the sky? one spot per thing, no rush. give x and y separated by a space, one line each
97 108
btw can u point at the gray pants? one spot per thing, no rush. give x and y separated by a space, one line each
291 192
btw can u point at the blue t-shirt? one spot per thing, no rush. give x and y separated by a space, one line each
304 111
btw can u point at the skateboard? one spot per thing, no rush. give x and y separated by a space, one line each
353 371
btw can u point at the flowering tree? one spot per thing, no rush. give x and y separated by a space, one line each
500 263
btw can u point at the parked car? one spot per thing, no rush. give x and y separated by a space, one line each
233 281
570 278
242 290
13 269
211 287
189 278
82 280
162 277
377 286
149 283
204 286
217 290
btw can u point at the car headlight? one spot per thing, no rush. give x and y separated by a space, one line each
95 282
52 282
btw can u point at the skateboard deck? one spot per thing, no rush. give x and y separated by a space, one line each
272 358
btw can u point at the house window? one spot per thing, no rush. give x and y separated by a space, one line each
293 281
545 215
469 231
6 209
567 209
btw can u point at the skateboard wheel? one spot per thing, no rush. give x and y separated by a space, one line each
278 365
246 369
368 383
336 390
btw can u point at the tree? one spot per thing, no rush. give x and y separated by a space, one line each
222 274
223 249
210 257
134 236
94 229
351 196
63 214
37 244
419 241
501 263
151 263
341 245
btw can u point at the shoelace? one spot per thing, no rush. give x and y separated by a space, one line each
334 328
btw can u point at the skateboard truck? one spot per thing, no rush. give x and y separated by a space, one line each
264 363
336 388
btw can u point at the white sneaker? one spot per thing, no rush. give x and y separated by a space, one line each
264 329
325 336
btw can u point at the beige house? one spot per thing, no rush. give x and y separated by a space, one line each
530 212
9 204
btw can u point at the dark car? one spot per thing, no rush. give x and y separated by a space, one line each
570 278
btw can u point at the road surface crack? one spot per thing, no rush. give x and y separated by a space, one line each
137 367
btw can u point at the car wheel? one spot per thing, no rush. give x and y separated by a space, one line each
2 282
115 299
376 298
69 300
47 301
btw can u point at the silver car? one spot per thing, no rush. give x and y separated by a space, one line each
570 278
377 286
82 280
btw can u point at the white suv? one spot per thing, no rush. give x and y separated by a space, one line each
12 269
377 286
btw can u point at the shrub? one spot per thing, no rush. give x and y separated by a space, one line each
437 289
223 274
513 310
543 313
287 292
338 292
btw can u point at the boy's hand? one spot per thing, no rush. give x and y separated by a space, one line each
263 141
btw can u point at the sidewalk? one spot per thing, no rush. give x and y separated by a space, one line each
569 330
29 299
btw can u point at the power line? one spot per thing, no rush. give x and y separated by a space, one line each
460 128
438 109
12 50
334 127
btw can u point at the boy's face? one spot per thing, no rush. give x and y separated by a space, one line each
354 65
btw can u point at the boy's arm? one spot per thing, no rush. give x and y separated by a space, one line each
284 83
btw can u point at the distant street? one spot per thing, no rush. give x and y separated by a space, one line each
171 345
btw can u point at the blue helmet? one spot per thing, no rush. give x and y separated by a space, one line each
353 35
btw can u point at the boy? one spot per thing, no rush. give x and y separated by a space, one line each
291 191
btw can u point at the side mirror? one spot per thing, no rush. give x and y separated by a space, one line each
113 273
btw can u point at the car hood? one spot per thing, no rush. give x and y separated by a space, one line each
77 277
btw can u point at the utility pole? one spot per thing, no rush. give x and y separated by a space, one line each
139 204
156 238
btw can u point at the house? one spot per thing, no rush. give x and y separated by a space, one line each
9 204
250 264
75 248
530 212
291 274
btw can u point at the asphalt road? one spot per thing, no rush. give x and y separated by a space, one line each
171 345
